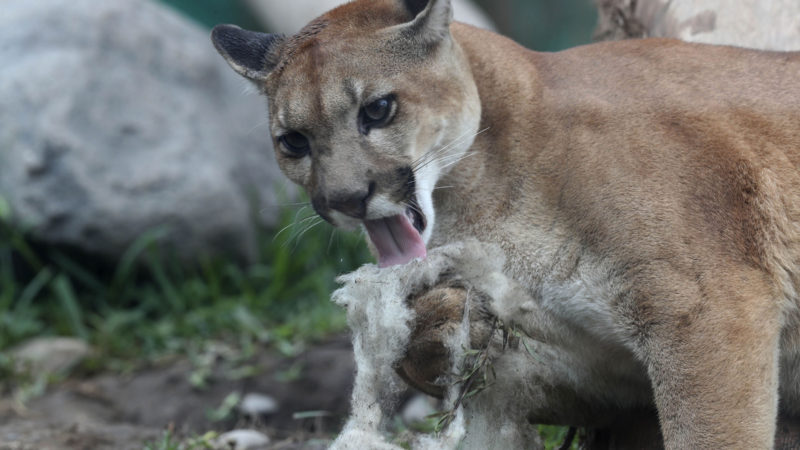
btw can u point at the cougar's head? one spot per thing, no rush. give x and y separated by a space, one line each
370 105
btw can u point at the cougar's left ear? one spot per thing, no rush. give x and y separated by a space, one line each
431 21
250 53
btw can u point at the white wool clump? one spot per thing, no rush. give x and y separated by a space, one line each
449 439
381 322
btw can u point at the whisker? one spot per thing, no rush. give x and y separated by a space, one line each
330 241
440 160
412 207
247 89
282 205
437 152
453 159
297 214
258 125
463 157
295 222
297 238
296 235
433 154
436 155
453 142
448 157
459 140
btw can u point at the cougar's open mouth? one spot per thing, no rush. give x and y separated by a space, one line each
398 238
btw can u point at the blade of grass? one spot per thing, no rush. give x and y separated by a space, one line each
8 287
154 263
18 244
212 278
77 272
63 290
33 289
5 210
128 261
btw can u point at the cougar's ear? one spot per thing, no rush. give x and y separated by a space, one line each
250 53
431 21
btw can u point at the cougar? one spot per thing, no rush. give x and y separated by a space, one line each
646 194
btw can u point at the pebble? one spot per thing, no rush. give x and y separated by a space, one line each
257 405
51 355
241 440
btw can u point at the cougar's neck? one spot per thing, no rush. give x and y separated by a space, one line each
489 183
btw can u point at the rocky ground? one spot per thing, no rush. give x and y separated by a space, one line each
297 402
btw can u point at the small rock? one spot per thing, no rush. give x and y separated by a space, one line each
257 405
417 409
51 354
241 440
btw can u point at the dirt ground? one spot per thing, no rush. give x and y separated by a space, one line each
123 412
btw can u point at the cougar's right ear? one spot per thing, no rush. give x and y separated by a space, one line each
431 22
250 53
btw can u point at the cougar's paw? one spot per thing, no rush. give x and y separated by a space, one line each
438 314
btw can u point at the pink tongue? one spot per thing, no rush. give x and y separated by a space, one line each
396 240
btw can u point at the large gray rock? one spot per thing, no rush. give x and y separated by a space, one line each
119 116
762 24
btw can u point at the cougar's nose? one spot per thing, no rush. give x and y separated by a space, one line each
352 203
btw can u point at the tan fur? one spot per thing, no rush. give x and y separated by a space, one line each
647 193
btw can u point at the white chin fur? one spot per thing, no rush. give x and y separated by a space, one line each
425 181
428 175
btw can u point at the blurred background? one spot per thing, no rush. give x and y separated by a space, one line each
160 282
544 25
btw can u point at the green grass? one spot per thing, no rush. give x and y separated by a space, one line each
169 441
150 304
553 437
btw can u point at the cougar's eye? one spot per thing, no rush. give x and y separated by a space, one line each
377 110
296 144
376 114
